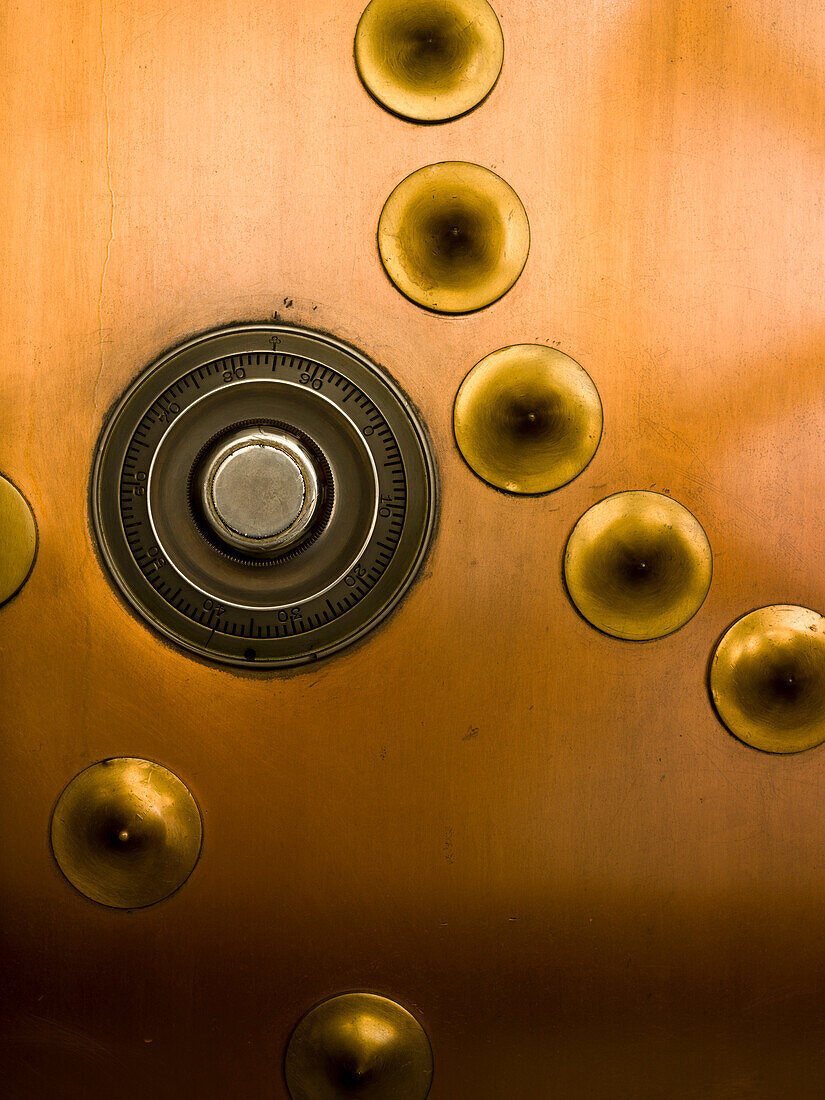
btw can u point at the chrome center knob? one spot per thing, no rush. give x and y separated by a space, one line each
259 489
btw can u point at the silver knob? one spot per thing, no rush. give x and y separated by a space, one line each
259 489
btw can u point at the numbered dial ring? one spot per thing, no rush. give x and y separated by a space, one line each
263 495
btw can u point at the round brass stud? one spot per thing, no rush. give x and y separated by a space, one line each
527 418
453 237
767 679
358 1044
126 832
429 60
638 565
18 544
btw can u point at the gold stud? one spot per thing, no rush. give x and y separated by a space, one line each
767 679
638 565
429 60
358 1044
527 418
18 540
126 832
453 237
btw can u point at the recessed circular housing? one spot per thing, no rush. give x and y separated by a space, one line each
767 678
429 60
263 495
638 565
453 237
527 418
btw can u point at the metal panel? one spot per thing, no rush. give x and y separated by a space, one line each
538 839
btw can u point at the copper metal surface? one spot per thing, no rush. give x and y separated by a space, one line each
527 418
18 540
429 60
126 832
358 1044
768 679
453 237
638 565
539 840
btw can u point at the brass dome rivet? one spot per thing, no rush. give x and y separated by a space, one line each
527 418
126 832
358 1044
638 565
429 60
18 540
767 679
453 237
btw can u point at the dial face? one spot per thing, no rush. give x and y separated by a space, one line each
263 495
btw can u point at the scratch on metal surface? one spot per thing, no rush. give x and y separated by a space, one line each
111 204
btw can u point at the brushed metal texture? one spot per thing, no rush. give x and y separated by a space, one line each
538 839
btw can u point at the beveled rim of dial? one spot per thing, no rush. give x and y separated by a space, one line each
429 61
767 679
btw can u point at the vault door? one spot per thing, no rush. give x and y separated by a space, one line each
536 809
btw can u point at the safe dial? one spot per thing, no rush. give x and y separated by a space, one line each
263 495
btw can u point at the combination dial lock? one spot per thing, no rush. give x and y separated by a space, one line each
263 495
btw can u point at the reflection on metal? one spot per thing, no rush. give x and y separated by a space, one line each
429 60
767 679
638 565
527 418
453 237
126 832
263 495
18 540
358 1044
